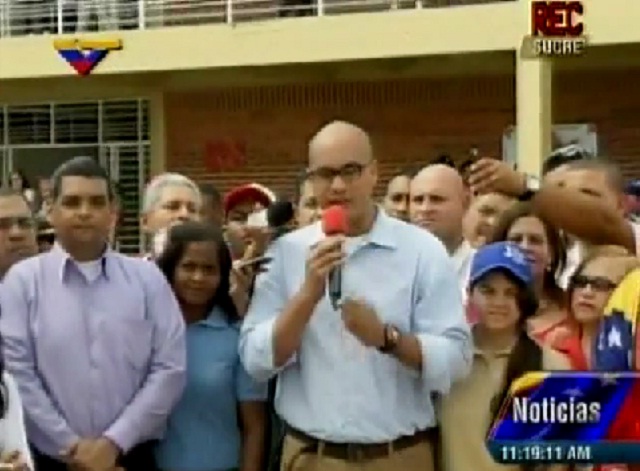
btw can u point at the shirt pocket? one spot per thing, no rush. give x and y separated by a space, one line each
132 336
393 304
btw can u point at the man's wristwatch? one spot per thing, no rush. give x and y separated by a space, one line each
391 339
531 185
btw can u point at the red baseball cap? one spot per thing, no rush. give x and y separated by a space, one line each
249 192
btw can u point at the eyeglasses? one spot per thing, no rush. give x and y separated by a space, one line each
597 283
347 173
22 222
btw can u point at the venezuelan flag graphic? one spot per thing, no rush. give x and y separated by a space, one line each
616 396
85 55
616 347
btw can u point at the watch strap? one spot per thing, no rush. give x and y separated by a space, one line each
527 195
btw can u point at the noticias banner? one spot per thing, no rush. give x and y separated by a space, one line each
569 417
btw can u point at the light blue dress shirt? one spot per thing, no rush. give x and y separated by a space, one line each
203 433
334 388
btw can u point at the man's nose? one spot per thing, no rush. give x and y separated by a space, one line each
338 184
16 232
403 204
430 208
183 212
421 206
525 245
85 210
488 220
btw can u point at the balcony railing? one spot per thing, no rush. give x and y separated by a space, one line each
27 17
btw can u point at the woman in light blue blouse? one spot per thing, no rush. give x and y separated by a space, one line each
207 431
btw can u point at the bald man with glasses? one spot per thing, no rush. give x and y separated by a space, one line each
355 381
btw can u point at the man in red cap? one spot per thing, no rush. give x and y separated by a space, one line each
247 235
244 200
245 219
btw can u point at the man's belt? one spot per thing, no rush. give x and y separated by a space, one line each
357 451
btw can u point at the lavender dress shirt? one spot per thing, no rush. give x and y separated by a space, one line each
92 358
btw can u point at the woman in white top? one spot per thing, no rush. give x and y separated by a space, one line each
13 438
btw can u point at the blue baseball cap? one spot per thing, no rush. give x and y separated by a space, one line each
501 256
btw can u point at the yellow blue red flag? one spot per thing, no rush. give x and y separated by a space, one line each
616 344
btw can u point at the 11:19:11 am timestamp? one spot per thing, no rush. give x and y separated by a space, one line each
543 453
572 452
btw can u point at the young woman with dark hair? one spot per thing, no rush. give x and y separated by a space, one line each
544 245
501 290
205 430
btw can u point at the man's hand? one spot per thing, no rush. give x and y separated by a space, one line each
239 283
257 240
14 459
88 454
362 321
494 176
324 257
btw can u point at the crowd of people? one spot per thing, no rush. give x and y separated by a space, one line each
219 348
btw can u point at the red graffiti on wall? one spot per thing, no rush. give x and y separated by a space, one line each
224 154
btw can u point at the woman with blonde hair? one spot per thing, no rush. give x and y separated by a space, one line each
588 292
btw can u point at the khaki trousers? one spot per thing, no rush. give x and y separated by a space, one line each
419 457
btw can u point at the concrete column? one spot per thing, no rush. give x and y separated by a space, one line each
533 113
533 104
157 131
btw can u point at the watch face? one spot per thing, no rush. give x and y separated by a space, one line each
391 338
394 336
533 183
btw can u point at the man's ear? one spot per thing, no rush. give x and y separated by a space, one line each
622 204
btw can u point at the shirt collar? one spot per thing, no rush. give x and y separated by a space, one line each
462 254
463 249
216 319
64 260
382 233
505 352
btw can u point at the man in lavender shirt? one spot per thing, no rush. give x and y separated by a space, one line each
94 339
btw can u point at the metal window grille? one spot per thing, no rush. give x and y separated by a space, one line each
115 131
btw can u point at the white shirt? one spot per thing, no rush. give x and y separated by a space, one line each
635 227
12 433
91 270
462 260
333 387
576 253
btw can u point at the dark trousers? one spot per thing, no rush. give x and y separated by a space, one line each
275 433
139 458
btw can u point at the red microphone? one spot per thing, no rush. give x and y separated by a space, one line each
334 222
